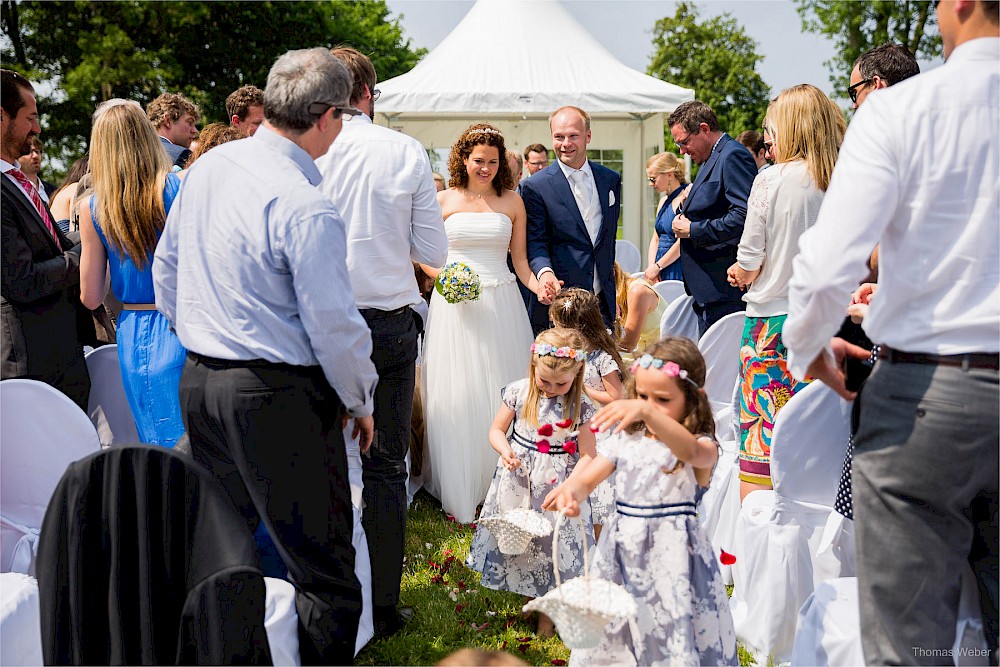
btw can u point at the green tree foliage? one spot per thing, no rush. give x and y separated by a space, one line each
718 60
85 52
857 27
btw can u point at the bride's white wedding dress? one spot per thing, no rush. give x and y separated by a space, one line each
472 350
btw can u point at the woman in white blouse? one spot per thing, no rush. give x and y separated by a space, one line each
805 128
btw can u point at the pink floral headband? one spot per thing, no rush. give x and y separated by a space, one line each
566 352
669 368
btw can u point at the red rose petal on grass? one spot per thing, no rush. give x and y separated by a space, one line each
566 423
459 608
545 430
569 447
483 626
447 552
461 624
503 647
726 558
523 648
451 518
543 446
558 662
510 622
461 585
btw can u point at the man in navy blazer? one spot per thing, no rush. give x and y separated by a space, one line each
711 222
573 207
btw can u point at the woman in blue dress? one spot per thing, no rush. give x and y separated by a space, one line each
667 176
120 226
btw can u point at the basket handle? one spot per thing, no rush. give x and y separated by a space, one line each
555 549
508 471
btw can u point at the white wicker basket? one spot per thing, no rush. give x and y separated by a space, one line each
515 529
583 606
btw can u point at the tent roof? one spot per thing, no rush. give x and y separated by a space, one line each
481 67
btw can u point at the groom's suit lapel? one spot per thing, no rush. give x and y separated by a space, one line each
603 181
560 186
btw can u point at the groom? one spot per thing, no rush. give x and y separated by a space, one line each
572 206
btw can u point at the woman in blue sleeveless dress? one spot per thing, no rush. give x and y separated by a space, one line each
666 174
119 229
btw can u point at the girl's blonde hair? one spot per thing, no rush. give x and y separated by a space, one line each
129 169
683 352
573 401
668 163
578 309
806 125
622 282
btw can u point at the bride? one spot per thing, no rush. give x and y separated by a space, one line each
474 348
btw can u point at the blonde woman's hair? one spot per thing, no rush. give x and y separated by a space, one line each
573 401
806 125
668 163
129 169
622 282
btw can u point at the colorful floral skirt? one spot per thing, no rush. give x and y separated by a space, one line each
765 387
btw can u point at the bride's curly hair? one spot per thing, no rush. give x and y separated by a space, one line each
476 135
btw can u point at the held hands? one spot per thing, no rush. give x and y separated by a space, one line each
548 287
652 273
682 227
860 301
740 277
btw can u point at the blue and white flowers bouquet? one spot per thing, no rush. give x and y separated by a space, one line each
457 283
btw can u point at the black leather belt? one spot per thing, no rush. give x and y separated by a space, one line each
972 360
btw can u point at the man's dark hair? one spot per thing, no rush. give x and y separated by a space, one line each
536 148
360 67
240 100
890 62
992 9
753 140
11 85
690 115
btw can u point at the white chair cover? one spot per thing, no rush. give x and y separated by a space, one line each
20 620
721 348
670 290
778 532
362 558
679 319
42 431
828 632
720 506
628 256
108 408
281 622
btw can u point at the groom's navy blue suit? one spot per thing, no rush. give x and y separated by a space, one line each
558 236
717 209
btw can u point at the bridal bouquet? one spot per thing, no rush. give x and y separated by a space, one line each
457 283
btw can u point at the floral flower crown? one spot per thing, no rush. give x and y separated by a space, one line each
669 368
483 130
544 349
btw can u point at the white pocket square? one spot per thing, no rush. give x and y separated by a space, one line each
611 197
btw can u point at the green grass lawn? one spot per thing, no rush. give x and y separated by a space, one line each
452 610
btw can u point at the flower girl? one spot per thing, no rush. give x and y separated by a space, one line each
652 544
551 434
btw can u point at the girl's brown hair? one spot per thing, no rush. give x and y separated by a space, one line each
478 135
578 309
212 135
698 414
573 401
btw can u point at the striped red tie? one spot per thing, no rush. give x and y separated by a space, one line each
33 195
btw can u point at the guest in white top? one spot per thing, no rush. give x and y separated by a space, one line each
381 182
918 174
806 129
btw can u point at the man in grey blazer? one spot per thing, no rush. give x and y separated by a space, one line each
39 290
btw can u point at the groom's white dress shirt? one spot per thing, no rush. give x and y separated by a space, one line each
381 182
588 203
917 174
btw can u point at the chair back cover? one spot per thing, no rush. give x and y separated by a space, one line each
144 559
679 319
41 432
809 444
108 407
22 640
721 348
670 290
628 256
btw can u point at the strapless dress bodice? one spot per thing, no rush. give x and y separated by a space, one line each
481 240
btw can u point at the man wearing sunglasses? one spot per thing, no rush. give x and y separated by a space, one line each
881 67
917 173
251 273
381 181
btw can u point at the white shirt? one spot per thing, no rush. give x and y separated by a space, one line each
784 202
593 217
918 173
381 182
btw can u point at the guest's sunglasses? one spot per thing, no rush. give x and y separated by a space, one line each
852 92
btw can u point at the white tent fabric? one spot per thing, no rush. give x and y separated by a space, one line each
575 68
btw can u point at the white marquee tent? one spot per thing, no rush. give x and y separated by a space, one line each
482 72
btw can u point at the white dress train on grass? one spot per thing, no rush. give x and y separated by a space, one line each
473 349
